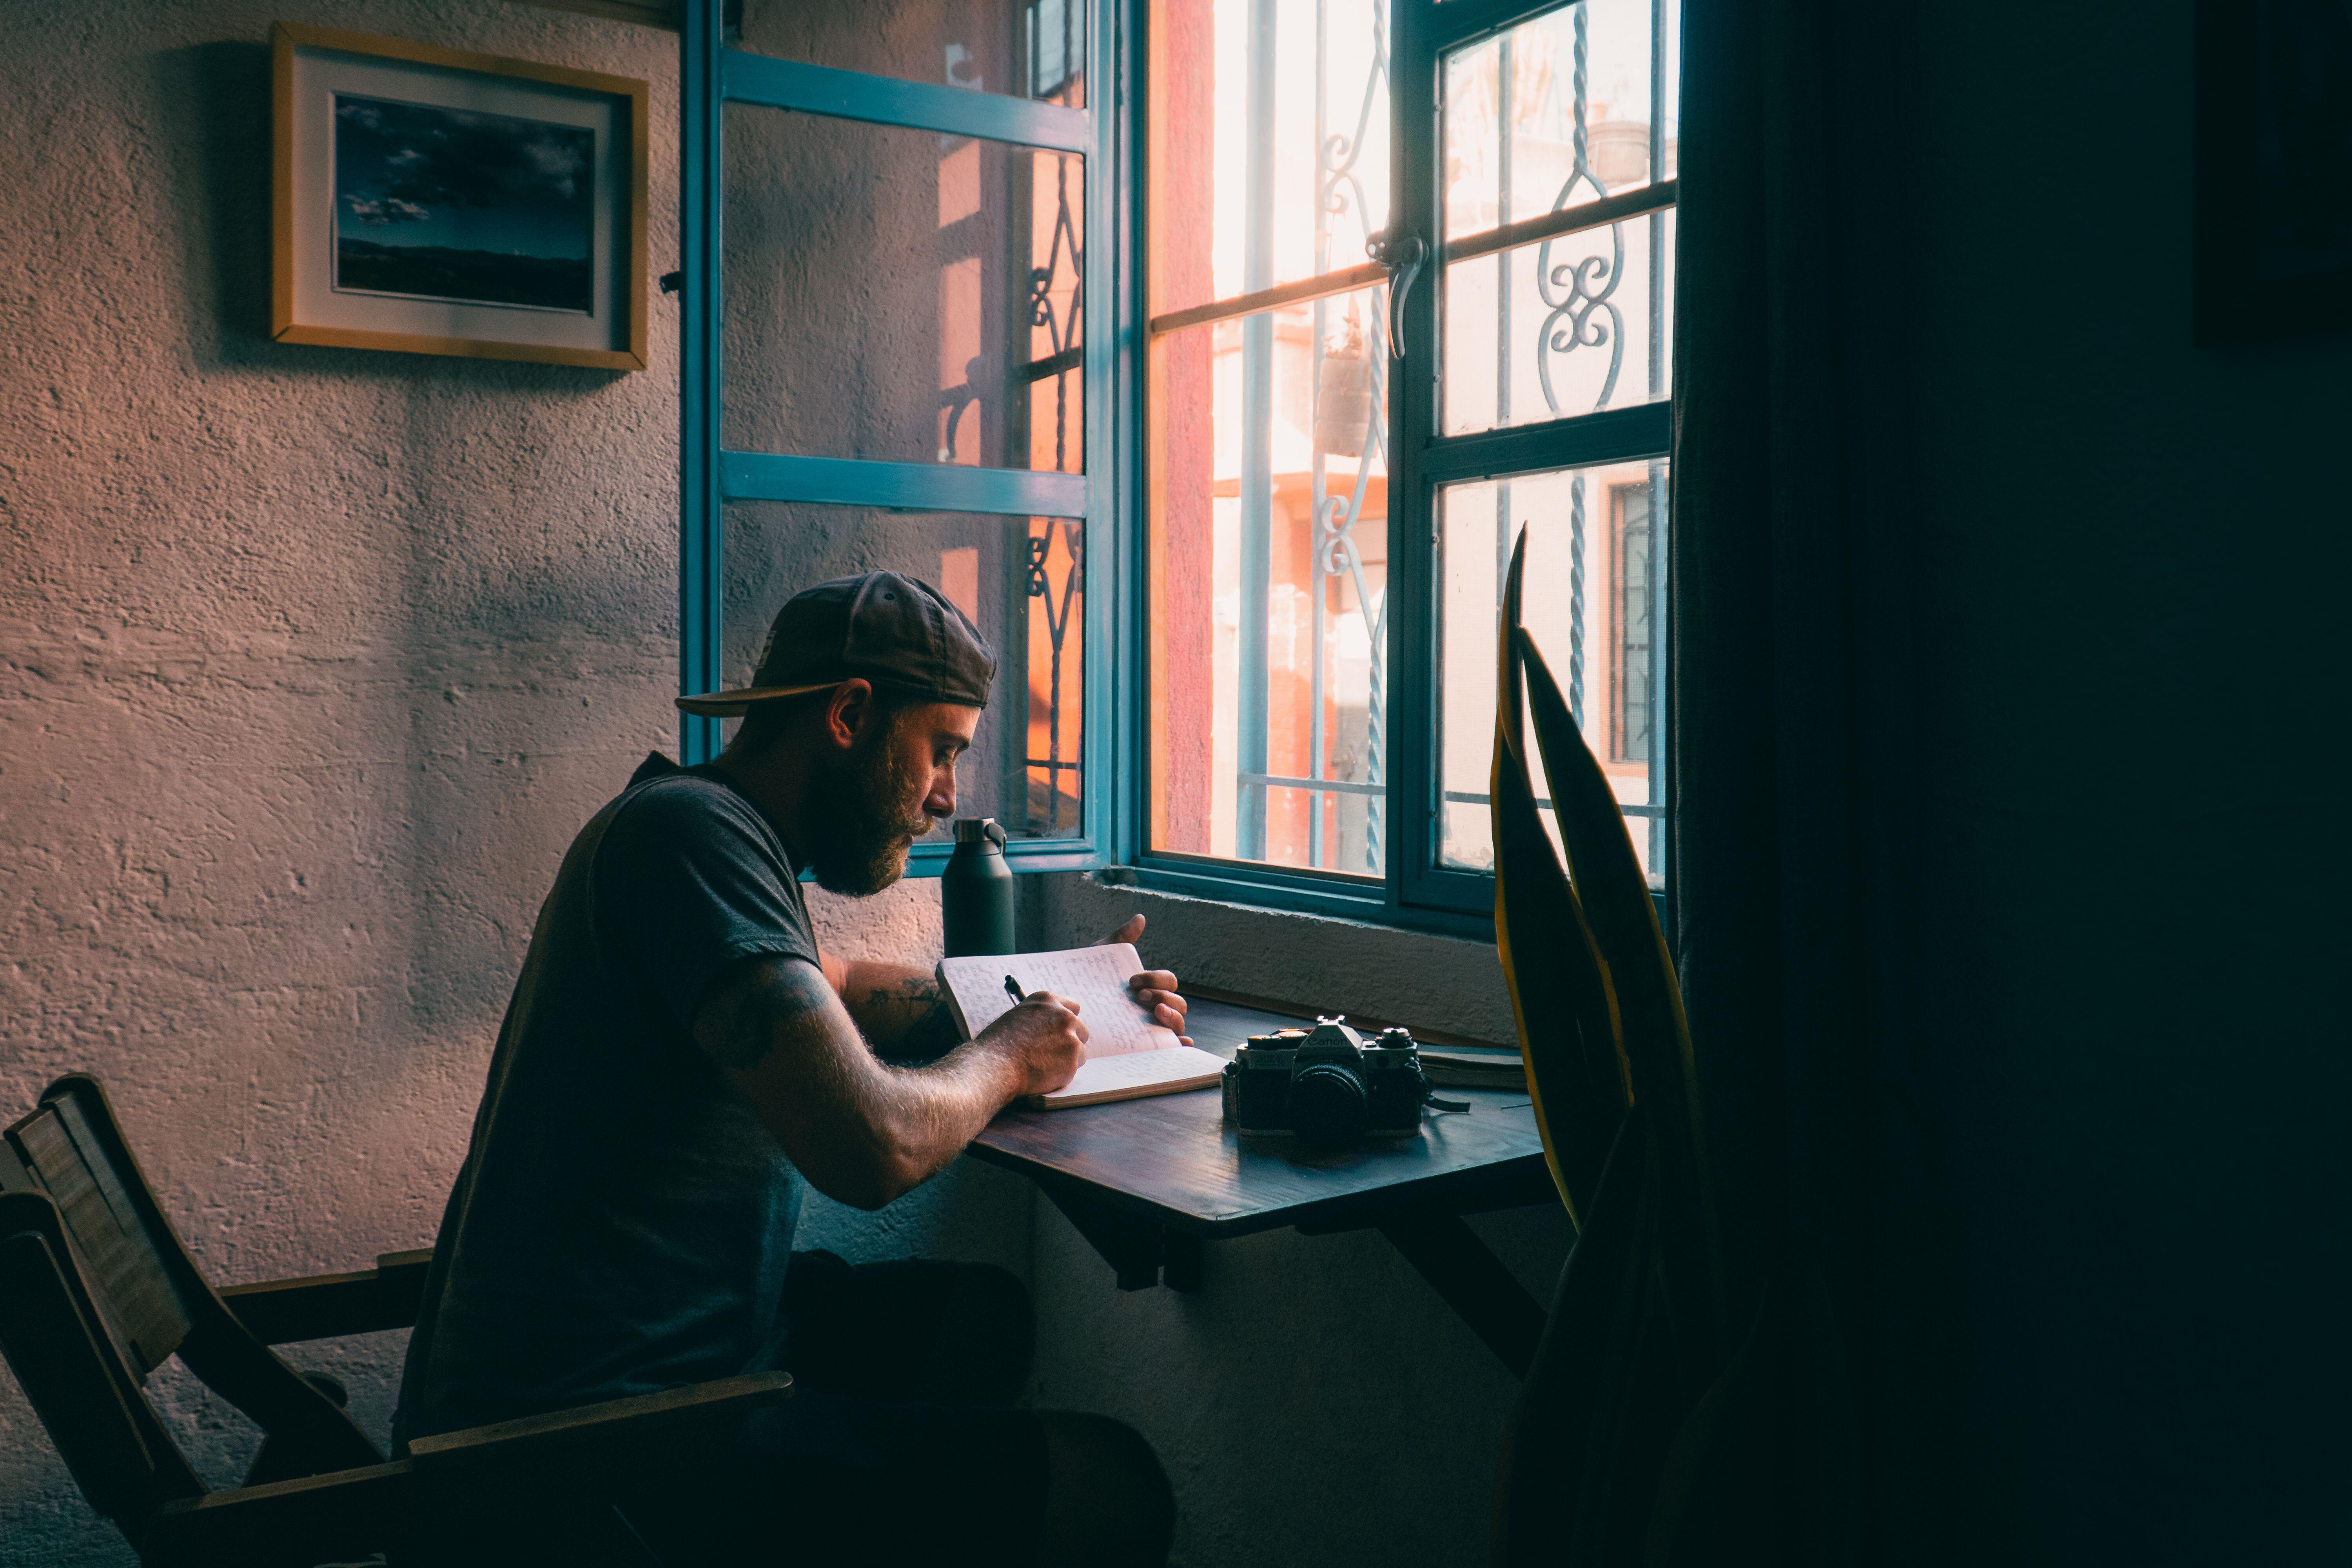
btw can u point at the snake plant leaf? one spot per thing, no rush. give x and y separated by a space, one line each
1607 1391
1561 995
1607 880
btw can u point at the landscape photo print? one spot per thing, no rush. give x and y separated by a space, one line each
427 200
450 203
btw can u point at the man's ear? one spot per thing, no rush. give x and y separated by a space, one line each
848 710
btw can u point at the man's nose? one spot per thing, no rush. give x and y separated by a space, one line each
942 799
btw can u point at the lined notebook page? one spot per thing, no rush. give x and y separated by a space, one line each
1094 978
1127 1055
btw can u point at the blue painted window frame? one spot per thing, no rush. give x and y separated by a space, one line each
713 76
1414 892
1113 490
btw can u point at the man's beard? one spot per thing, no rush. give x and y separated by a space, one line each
863 848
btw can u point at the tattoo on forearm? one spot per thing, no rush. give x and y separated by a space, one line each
766 995
921 1025
934 1035
919 989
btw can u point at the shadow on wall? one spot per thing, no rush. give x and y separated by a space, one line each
214 99
314 663
478 629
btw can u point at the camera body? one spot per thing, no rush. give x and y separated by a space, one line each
1325 1086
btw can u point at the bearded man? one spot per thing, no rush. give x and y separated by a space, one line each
679 1057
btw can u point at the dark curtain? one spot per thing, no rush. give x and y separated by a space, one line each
1795 731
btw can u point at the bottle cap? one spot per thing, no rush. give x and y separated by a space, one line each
978 830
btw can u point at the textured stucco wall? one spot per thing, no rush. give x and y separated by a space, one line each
311 662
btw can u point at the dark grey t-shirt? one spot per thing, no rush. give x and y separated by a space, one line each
622 1220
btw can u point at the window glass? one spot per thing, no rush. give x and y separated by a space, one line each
1558 112
1596 558
900 295
1021 581
1029 48
1268 588
1272 651
1555 112
1270 143
1570 326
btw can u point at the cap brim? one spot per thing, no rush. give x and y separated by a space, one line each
736 703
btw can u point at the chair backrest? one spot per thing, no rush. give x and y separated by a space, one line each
108 1293
71 1367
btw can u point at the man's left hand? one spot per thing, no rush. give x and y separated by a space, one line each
1155 988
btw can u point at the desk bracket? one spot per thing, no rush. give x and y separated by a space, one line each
1140 1252
1461 1268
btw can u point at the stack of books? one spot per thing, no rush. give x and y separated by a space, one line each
1469 1067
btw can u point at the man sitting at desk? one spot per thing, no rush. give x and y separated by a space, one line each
679 1056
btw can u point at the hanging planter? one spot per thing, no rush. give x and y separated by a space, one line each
1343 393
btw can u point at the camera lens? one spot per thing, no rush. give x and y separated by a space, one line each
1326 1105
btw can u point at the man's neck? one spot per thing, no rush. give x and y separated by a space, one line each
776 783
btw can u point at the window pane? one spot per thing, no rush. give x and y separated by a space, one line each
901 295
1021 581
1555 112
1269 144
1268 588
1032 49
1596 558
1562 327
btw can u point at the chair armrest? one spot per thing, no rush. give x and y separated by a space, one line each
285 1524
323 1305
626 1430
538 1461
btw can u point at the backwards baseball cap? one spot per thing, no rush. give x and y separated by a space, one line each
891 630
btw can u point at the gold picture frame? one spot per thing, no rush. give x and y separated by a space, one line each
431 201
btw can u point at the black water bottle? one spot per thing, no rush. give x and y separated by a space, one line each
976 890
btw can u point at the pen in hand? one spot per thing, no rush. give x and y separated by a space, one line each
1012 989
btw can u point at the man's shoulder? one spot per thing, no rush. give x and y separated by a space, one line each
683 795
663 815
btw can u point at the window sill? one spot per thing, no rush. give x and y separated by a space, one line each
1331 897
1328 896
1447 982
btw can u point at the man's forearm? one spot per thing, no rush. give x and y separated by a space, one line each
901 1011
860 1130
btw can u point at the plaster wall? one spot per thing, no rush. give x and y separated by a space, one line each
311 662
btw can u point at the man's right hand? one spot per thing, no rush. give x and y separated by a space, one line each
1042 1039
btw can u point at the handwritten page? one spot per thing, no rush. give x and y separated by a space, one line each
1094 978
1129 1055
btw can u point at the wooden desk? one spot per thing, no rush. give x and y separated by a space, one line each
1147 1181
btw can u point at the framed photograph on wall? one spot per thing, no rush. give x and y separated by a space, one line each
2273 169
436 201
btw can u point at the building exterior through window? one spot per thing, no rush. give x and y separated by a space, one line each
1406 293
1274 652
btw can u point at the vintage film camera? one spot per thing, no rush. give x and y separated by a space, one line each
1327 1085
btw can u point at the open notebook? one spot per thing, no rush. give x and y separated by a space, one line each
1127 1055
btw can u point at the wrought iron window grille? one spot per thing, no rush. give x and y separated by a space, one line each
1581 316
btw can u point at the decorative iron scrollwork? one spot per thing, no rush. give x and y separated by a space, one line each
1579 296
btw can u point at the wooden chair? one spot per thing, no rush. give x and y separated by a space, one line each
96 1290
